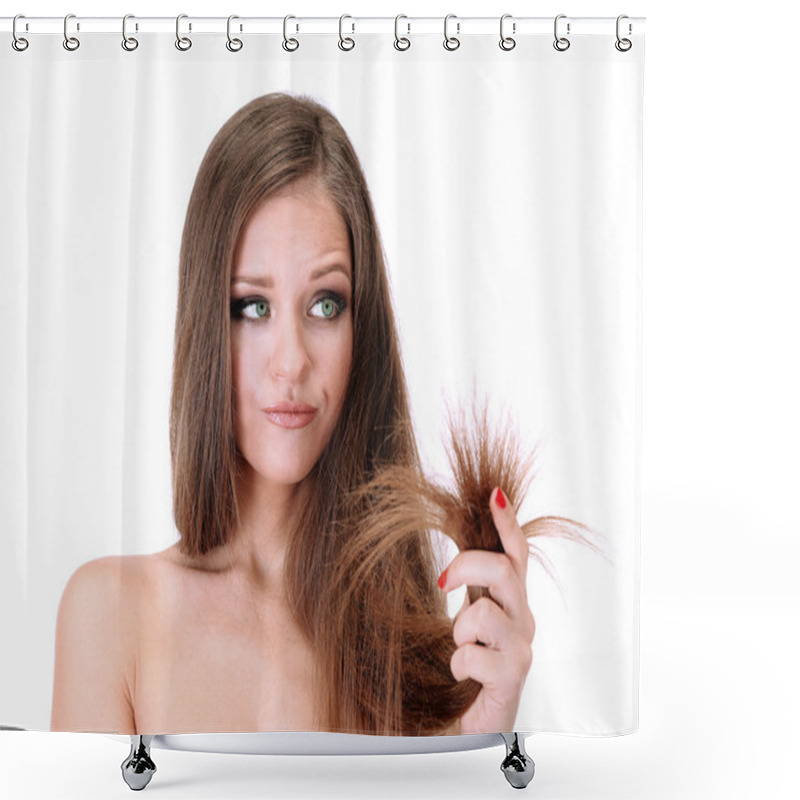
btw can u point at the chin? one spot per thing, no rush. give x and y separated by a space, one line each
281 460
286 472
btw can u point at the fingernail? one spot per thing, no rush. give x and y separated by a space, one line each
442 579
500 499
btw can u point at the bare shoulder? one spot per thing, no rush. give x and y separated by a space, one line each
105 590
102 579
96 640
107 595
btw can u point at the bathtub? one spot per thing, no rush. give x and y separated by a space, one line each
138 768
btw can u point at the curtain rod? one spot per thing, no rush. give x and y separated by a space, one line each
325 25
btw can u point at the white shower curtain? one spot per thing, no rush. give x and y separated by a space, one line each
507 189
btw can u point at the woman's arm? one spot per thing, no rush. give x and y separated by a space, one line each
94 652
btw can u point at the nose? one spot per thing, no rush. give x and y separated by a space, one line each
290 359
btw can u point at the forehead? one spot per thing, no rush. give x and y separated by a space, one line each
301 221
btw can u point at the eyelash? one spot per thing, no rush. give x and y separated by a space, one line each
238 306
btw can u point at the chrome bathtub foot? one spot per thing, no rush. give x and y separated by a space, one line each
138 767
517 766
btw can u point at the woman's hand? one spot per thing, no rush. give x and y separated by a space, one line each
503 623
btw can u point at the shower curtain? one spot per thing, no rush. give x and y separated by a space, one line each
505 175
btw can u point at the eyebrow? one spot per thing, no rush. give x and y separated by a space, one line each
268 283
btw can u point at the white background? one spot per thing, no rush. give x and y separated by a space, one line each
720 609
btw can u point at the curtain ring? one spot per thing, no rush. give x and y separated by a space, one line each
561 43
18 43
128 42
451 42
401 42
70 42
345 43
182 42
290 45
234 45
506 42
623 45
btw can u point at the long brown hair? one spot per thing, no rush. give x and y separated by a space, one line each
361 564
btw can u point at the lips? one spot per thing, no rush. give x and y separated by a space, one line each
290 415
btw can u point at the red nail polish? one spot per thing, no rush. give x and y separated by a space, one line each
442 579
501 498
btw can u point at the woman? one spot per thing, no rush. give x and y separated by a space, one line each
303 593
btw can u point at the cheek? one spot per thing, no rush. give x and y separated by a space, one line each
343 363
241 374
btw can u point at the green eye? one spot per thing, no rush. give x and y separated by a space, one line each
255 309
250 308
330 306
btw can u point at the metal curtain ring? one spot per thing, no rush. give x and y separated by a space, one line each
18 43
290 45
181 42
506 42
70 42
623 45
561 43
345 42
451 42
401 42
234 45
128 42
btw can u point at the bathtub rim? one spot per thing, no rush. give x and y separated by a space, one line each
317 743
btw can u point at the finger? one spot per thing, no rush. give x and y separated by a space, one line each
494 571
464 605
512 538
494 669
484 622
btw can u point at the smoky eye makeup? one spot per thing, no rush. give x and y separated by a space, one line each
330 305
256 307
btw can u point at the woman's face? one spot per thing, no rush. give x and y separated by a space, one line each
291 330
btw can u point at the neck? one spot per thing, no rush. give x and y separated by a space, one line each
267 514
